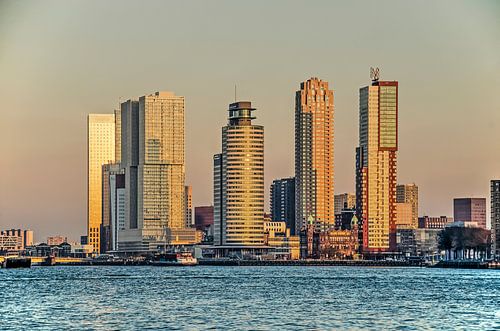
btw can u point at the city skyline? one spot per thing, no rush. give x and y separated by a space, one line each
47 130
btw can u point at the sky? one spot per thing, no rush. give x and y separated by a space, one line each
61 60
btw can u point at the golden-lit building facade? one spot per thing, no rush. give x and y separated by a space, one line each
100 151
408 193
118 135
161 161
376 166
404 216
314 173
240 220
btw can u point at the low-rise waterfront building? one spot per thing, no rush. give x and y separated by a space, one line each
339 244
15 240
309 241
418 242
56 240
430 222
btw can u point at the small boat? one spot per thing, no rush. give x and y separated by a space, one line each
17 262
175 259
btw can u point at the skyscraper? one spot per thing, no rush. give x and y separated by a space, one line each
376 165
153 158
100 150
408 193
470 210
314 199
283 202
188 205
495 218
240 218
343 201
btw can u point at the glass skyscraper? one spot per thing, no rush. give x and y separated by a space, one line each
153 157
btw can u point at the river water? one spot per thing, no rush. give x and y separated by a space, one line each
256 298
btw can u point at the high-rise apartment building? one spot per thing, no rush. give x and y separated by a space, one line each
239 220
344 201
188 205
376 165
152 155
283 202
470 210
100 150
314 193
495 218
408 193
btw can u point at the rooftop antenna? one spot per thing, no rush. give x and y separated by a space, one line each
234 92
374 74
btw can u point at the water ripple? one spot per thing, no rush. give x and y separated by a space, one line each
248 298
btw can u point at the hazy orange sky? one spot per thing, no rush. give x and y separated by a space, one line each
60 60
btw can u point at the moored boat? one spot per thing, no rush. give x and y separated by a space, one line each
175 259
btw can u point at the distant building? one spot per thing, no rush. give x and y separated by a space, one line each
404 216
152 130
408 193
495 218
100 150
470 210
188 205
428 222
418 242
376 165
56 240
203 217
465 240
113 206
219 228
314 162
310 241
15 240
240 192
81 251
340 243
277 227
283 202
344 220
344 201
282 245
